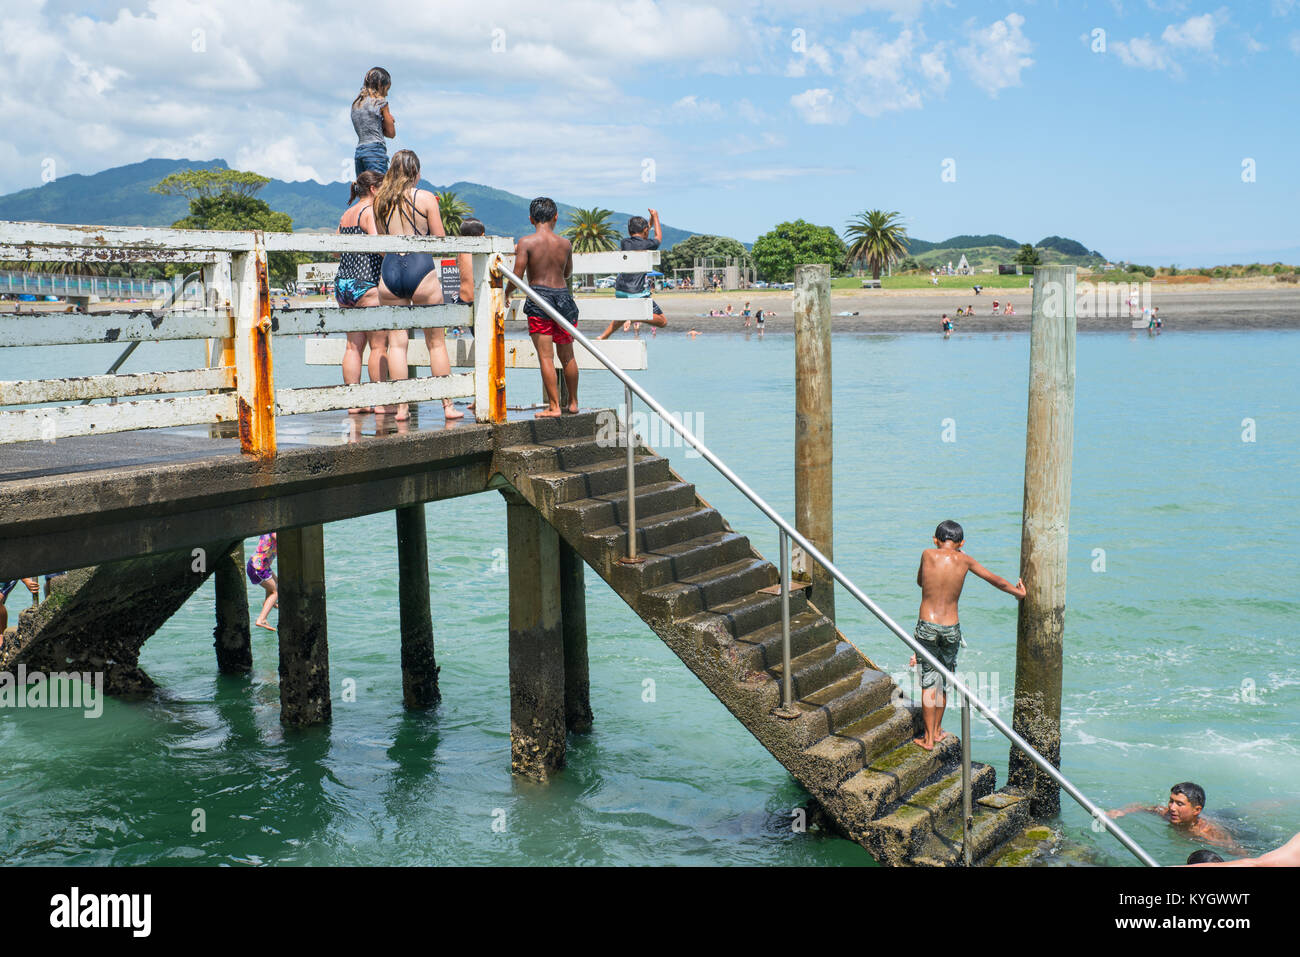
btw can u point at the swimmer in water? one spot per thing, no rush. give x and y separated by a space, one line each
1183 811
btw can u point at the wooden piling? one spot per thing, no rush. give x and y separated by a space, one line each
231 636
813 445
573 617
1044 539
537 691
419 667
304 646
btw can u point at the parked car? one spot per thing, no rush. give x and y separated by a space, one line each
605 282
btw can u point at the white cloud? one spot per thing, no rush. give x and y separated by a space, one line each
693 107
1142 53
997 54
1294 43
1194 36
1195 33
815 106
1253 45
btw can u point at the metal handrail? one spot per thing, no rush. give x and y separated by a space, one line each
968 696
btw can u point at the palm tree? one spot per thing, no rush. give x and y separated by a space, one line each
590 231
878 237
453 211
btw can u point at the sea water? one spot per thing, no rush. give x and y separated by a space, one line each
1181 658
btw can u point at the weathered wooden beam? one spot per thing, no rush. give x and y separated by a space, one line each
31 391
104 254
144 325
157 238
302 627
632 260
255 405
231 636
573 616
813 444
322 398
393 243
287 322
65 421
419 666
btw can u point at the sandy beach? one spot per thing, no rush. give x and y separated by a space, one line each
1248 305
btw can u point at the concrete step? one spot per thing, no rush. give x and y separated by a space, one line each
584 451
658 531
807 631
888 777
680 561
852 698
708 589
840 755
590 514
744 615
819 667
898 837
557 487
996 818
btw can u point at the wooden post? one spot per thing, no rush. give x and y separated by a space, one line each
813 446
419 668
573 614
1044 538
304 645
231 636
537 725
255 377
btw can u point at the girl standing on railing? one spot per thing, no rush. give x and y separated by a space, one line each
407 279
357 284
373 122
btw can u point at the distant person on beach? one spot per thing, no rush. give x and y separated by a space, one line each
995 307
1155 317
260 573
545 261
1183 811
411 279
357 284
1288 855
940 575
373 122
946 324
1010 310
632 285
977 289
758 319
745 313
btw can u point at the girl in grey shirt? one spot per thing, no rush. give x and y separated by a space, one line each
373 122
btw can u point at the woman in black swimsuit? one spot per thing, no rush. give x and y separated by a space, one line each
406 279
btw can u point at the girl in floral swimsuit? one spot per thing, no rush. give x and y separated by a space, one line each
260 573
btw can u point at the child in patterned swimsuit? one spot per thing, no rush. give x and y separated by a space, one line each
259 573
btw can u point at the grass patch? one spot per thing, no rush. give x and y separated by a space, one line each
945 282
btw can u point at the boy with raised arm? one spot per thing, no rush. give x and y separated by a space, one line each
941 574
633 285
545 261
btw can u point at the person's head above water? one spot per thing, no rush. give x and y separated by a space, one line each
376 84
1186 801
949 531
542 210
1204 857
638 225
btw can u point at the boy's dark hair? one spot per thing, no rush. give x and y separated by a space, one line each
1204 857
542 210
472 227
1193 792
637 224
949 531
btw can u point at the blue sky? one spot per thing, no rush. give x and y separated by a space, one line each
728 116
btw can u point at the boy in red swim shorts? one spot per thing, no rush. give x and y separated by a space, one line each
545 261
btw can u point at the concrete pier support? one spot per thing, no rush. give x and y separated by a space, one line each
419 669
231 636
537 690
813 445
1044 540
573 616
304 646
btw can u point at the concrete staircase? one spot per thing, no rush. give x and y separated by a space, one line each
700 589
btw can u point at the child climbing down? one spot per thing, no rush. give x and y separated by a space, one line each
373 122
259 573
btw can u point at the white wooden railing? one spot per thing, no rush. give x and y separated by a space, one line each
238 323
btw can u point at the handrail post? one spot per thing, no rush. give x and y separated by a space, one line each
787 709
966 819
254 373
489 340
630 439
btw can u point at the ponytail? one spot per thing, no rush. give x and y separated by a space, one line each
366 180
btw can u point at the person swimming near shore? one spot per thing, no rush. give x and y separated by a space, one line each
940 575
373 122
1183 811
545 261
411 279
356 284
261 573
634 285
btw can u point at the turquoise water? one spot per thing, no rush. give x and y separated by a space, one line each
1181 658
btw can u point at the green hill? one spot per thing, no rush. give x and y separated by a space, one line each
121 197
987 252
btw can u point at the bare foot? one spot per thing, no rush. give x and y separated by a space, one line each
920 743
941 734
403 413
450 412
381 410
262 624
572 409
627 325
546 414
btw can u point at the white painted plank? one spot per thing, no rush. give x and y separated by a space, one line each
423 389
61 422
286 322
70 328
105 254
608 310
437 245
628 354
642 260
141 237
31 391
